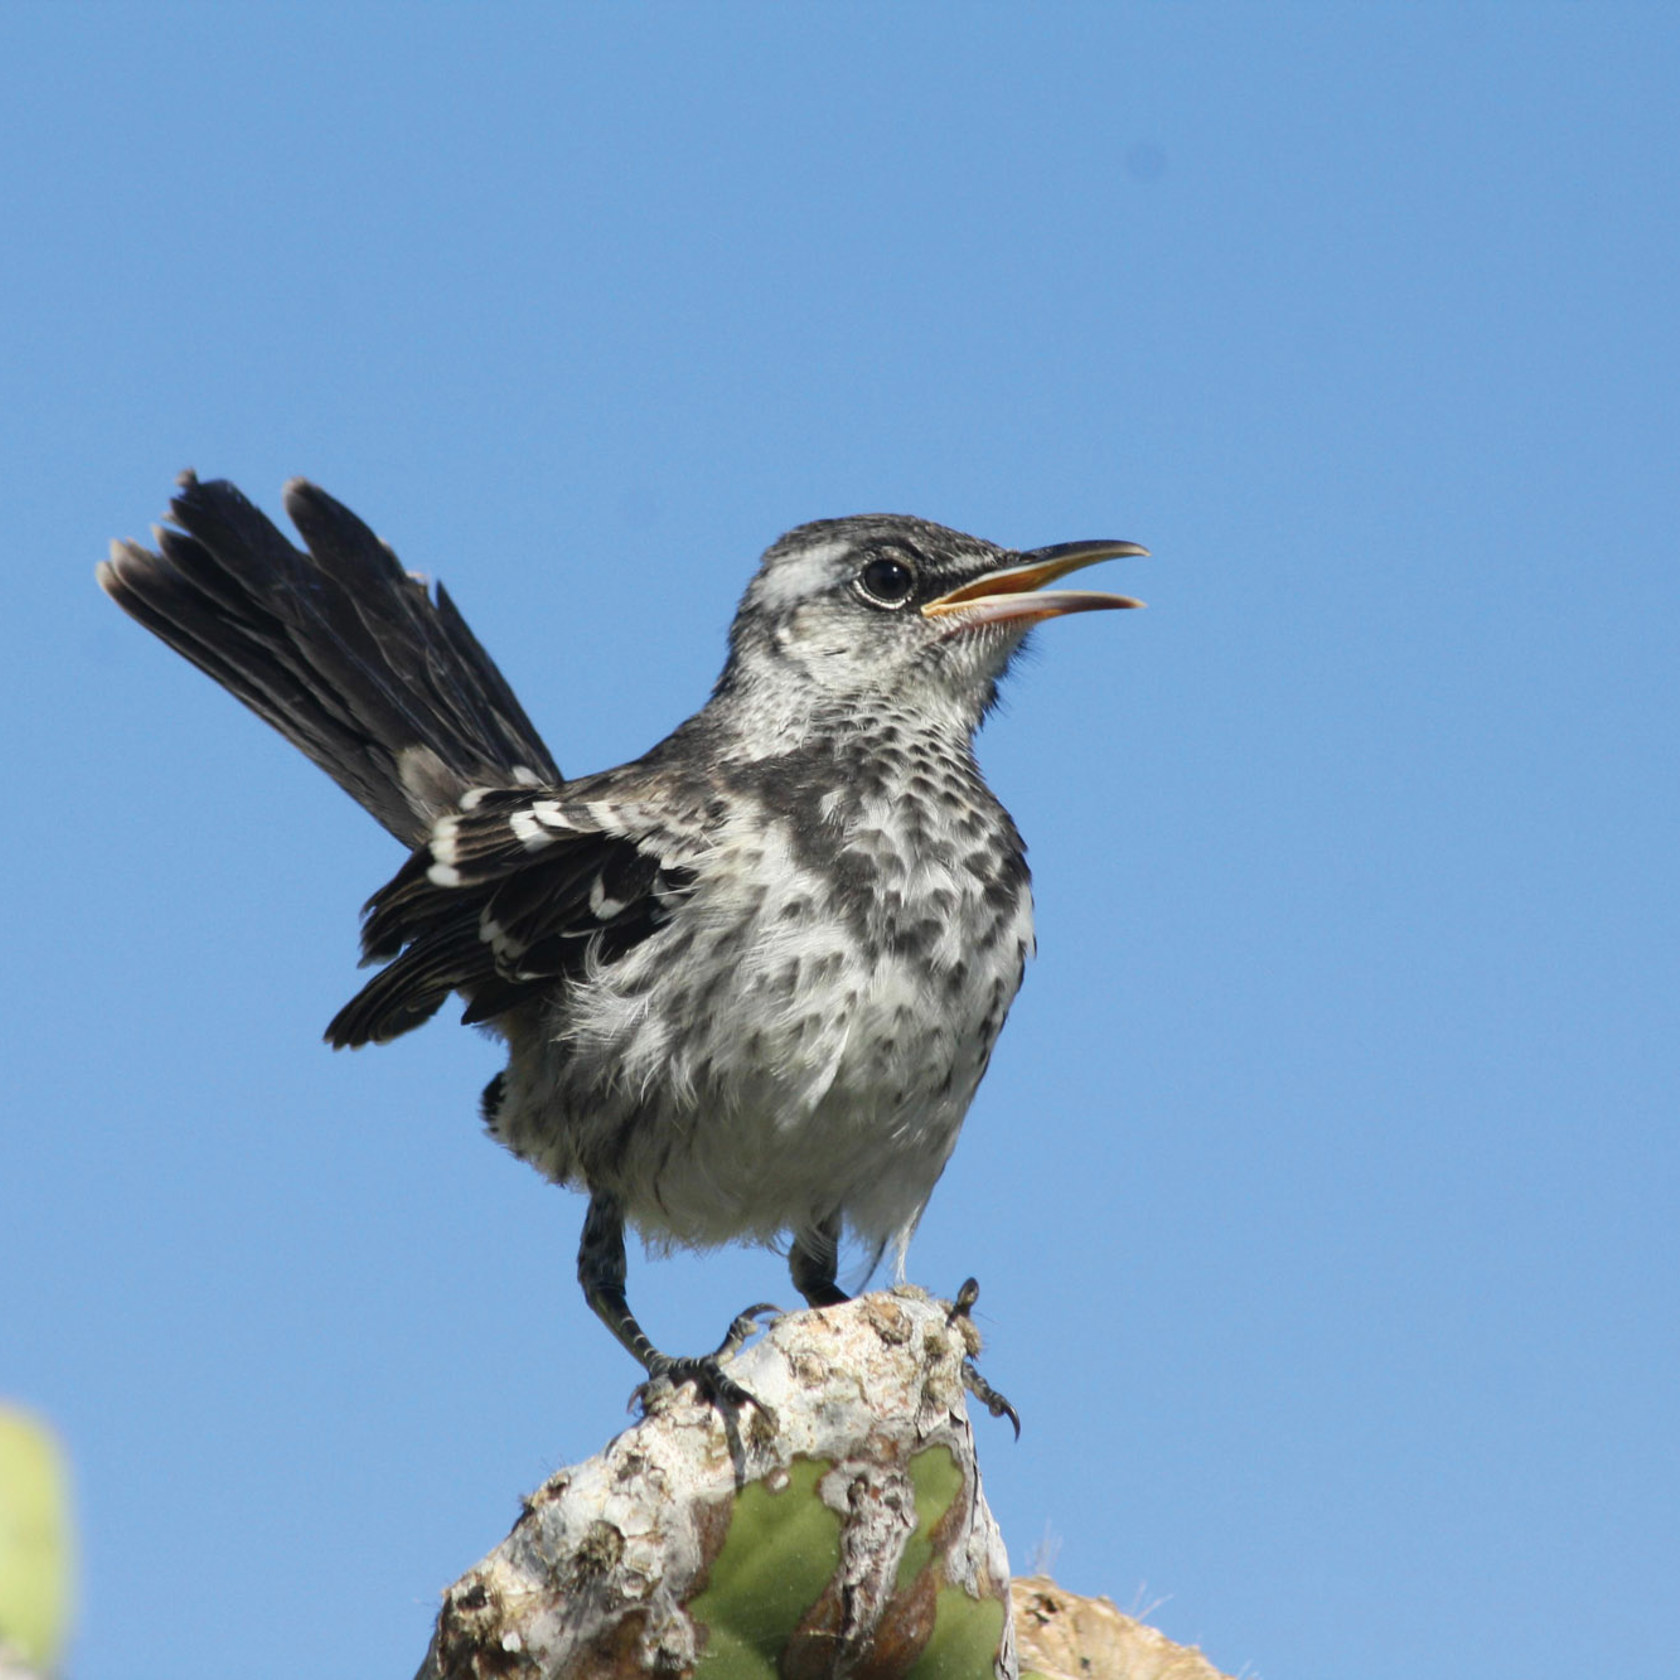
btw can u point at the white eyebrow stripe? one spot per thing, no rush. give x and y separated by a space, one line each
799 576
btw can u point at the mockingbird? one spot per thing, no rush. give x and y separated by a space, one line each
749 982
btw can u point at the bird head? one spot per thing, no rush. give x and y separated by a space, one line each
844 612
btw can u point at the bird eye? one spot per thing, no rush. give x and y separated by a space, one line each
886 582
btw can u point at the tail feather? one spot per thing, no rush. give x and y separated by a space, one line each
336 646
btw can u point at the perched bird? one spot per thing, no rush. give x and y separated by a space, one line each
749 982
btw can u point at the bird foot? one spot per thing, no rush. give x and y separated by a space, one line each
962 1310
706 1370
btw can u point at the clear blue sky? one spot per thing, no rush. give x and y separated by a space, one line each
1323 1190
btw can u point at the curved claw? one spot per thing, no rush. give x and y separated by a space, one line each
707 1373
963 1307
745 1323
706 1370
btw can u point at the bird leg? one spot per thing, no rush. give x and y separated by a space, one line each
963 1308
814 1261
603 1272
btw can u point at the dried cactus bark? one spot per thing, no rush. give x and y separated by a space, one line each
1062 1636
849 1539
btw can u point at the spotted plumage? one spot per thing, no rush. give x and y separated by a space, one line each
748 982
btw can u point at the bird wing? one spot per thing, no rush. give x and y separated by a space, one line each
517 889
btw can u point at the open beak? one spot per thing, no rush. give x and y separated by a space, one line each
1014 593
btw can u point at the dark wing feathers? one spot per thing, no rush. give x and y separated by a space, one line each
512 894
537 937
411 991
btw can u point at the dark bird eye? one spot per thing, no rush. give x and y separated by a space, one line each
888 583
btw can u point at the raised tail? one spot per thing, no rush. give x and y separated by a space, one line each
344 652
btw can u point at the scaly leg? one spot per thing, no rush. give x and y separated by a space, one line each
963 1307
602 1271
